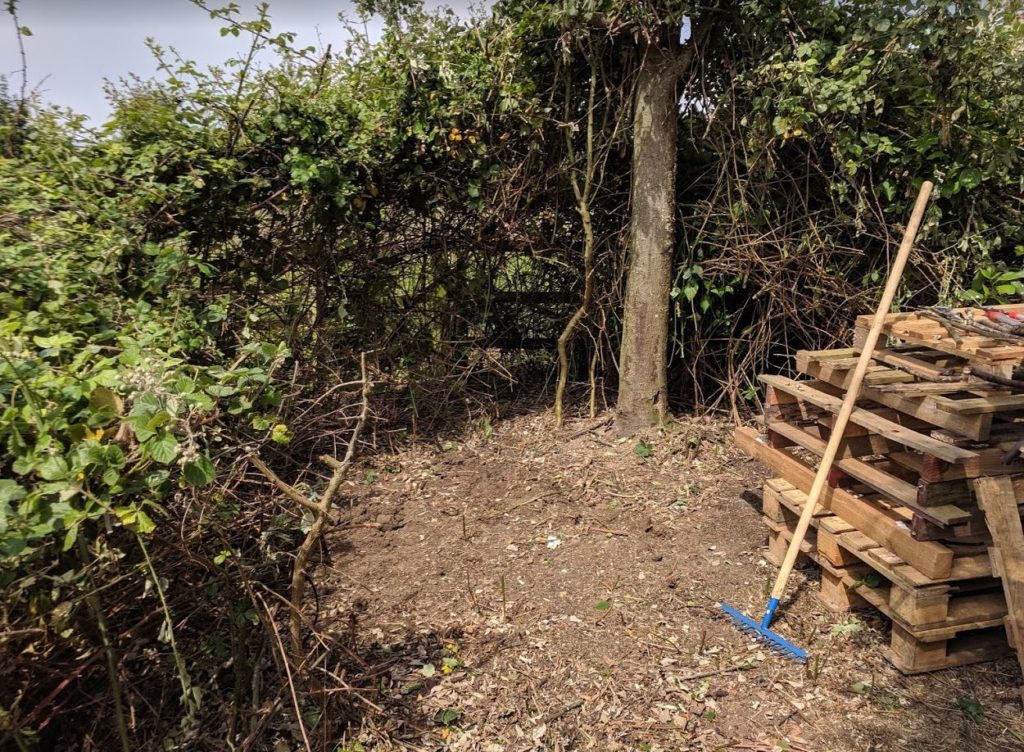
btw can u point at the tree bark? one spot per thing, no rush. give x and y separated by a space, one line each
643 358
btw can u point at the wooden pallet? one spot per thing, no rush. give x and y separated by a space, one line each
968 410
994 353
886 522
935 625
939 492
902 457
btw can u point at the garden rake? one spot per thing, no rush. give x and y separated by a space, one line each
759 629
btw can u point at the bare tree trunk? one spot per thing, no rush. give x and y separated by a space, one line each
643 359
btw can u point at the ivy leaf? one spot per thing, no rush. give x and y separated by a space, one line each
603 605
200 471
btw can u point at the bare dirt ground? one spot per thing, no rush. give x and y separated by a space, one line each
527 589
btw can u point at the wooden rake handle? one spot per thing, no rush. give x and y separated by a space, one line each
853 390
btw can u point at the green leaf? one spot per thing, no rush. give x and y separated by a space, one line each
144 523
852 626
859 688
159 419
603 605
972 709
280 434
220 390
969 178
10 491
643 449
163 449
448 717
142 430
70 537
54 467
199 472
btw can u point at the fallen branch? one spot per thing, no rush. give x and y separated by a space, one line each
321 511
514 507
714 672
283 487
559 713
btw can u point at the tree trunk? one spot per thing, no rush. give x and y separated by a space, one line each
643 359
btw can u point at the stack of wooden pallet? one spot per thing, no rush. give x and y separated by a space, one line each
920 518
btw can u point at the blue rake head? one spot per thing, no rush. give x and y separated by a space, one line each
760 631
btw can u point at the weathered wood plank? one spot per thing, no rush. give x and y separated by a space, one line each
1002 403
890 430
997 499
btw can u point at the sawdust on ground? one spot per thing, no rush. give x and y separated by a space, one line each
522 588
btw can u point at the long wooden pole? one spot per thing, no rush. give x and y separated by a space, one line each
852 392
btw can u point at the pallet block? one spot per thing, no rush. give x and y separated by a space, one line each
912 656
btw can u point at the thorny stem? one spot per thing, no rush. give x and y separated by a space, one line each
187 698
93 601
12 9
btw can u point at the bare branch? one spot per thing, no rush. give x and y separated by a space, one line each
284 488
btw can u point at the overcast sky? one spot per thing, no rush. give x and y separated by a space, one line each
76 44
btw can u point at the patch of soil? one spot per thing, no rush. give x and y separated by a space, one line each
530 589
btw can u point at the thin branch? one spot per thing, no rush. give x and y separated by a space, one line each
283 487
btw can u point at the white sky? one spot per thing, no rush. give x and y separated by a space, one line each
76 44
